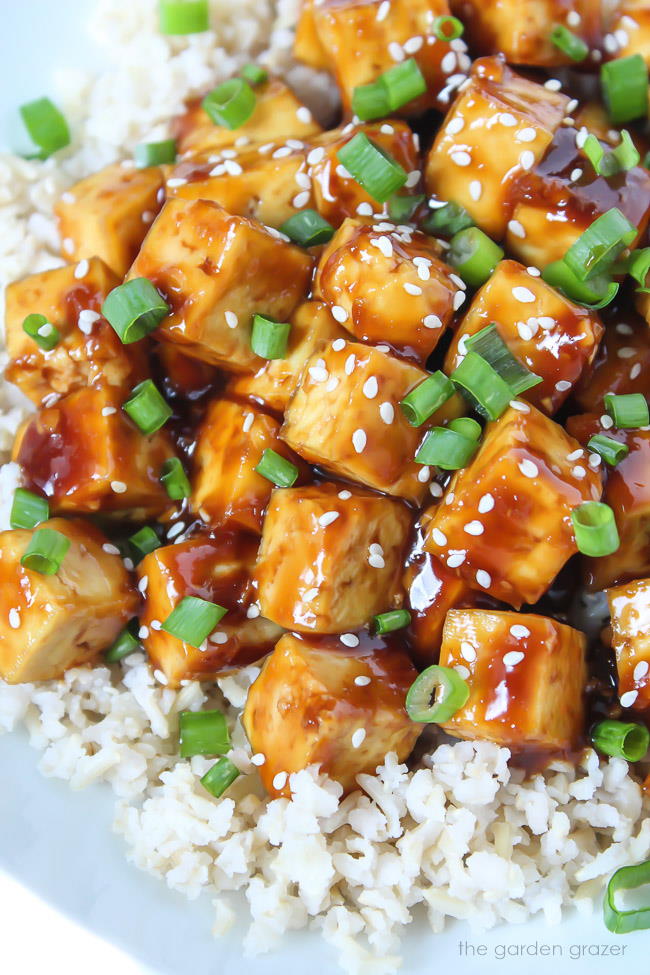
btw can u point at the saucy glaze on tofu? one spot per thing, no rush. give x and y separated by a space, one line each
630 611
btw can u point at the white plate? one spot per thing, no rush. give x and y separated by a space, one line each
59 843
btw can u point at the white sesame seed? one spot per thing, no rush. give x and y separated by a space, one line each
526 135
331 384
156 625
505 118
382 11
606 422
461 158
253 611
316 155
641 670
579 472
486 504
318 374
143 632
176 181
412 289
349 639
448 63
516 229
383 244
160 677
573 18
454 559
524 331
280 780
483 578
365 210
301 199
119 487
553 84
303 181
350 364
432 321
575 454
575 175
376 561
345 495
435 490
450 498
304 115
528 469
358 737
327 518
519 632
232 321
513 658
87 319
395 51
424 272
338 344
439 537
475 189
387 413
81 270
282 152
370 387
339 313
143 584
628 699
474 528
595 460
516 404
562 385
413 179
462 671
387 129
110 549
176 529
468 652
635 371
362 680
376 549
359 440
258 759
523 295
627 352
459 299
108 410
14 618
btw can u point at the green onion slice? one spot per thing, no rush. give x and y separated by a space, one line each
308 229
423 401
43 332
125 644
174 479
46 552
402 208
448 28
203 733
448 688
392 90
147 407
490 346
610 450
628 410
370 101
277 469
482 385
595 529
230 104
253 74
220 777
474 255
269 338
184 16
596 293
144 541
193 620
46 126
567 42
638 267
600 244
134 309
372 167
637 919
622 740
396 619
28 509
466 427
625 88
155 153
448 220
609 162
447 449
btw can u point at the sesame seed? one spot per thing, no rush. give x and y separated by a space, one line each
376 548
483 578
108 410
475 189
68 197
350 364
575 454
345 495
176 181
412 289
339 313
562 385
505 118
424 474
303 181
595 460
579 472
301 200
459 298
626 353
87 319
232 321
387 129
523 295
395 51
454 559
331 384
304 115
362 680
516 404
519 632
280 780
412 179
474 528
606 422
328 518
253 611
14 618
376 561
641 670
387 412
553 84
156 625
177 529
628 699
439 537
424 272
81 270
461 158
160 677
525 331
526 135
513 658
573 18
143 584
349 639
318 374
249 419
462 671
365 210
316 155
486 504
338 344
358 737
382 11
119 487
528 469
575 175
370 387
258 759
432 321
282 152
359 440
468 652
143 632
516 229
383 244
448 62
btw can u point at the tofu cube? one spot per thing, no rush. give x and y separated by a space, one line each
630 30
306 45
526 676
49 624
215 568
497 129
182 376
345 415
85 455
387 286
622 365
88 351
305 708
546 332
330 558
229 446
629 606
505 523
217 271
108 214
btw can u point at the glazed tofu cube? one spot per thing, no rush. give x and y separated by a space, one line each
229 446
217 271
85 455
278 116
307 46
505 524
622 364
629 606
554 203
546 332
88 351
217 569
108 215
180 375
362 40
630 30
49 624
273 385
497 129
345 415
387 286
526 676
306 709
330 558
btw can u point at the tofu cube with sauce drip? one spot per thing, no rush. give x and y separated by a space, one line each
50 623
216 568
88 351
388 285
546 332
217 271
345 415
229 446
108 214
497 129
330 702
526 675
86 456
629 606
330 557
504 525
621 366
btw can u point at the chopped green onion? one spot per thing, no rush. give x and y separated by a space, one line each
448 28
144 542
637 919
126 643
308 229
600 244
220 777
638 267
625 88
175 480
610 450
426 398
277 469
155 153
474 255
402 208
448 220
607 163
253 74
446 686
626 154
203 733
646 160
396 619
43 332
466 427
230 104
567 42
595 529
28 509
46 126
482 386
147 407
370 101
193 620
184 16
490 346
596 293
269 338
447 449
629 741
628 410
134 309
372 167
46 551
392 90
